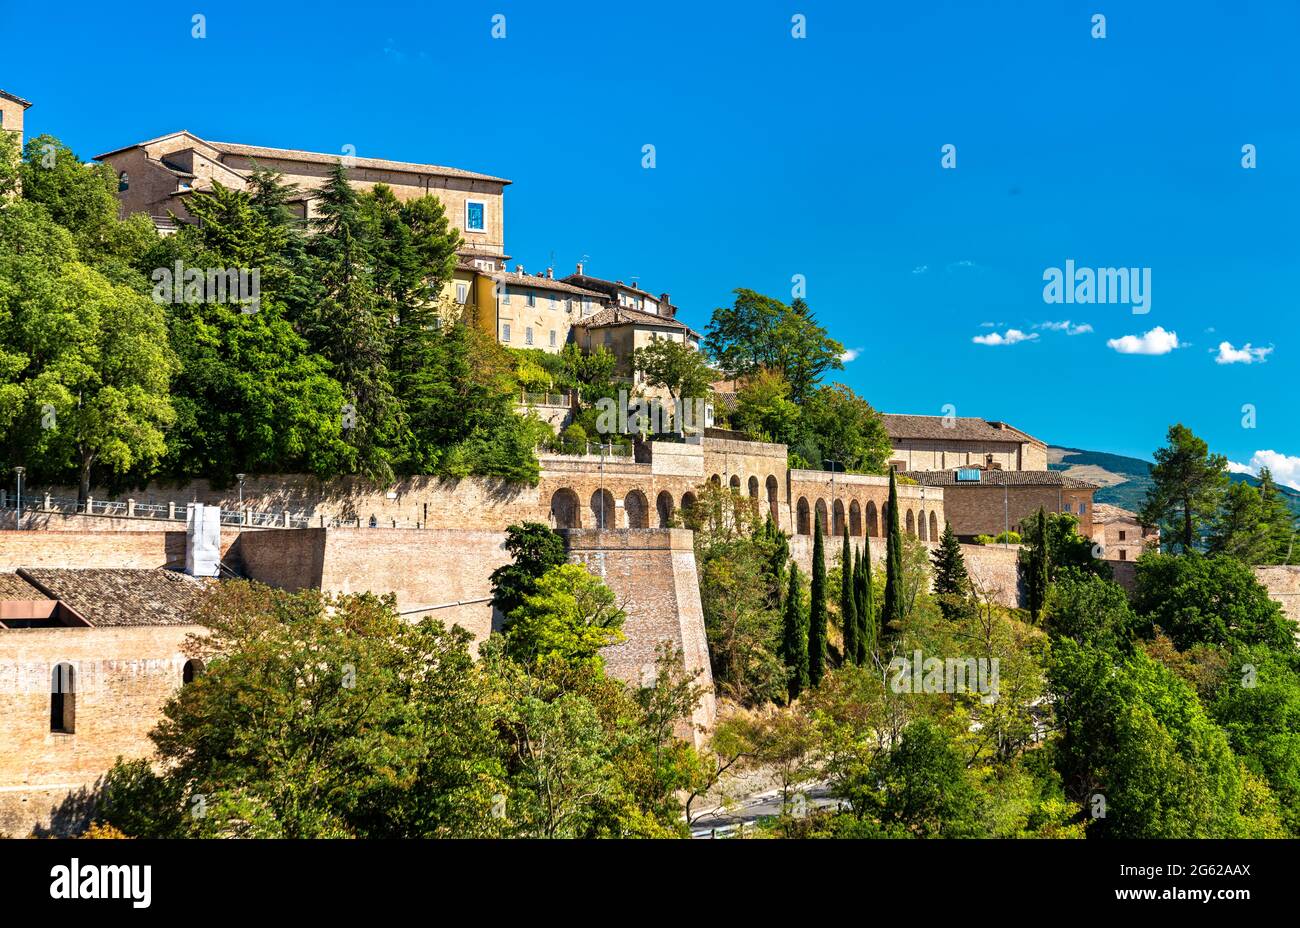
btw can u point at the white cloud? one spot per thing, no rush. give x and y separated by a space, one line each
1243 355
850 355
1010 338
1067 327
1285 468
920 269
1157 341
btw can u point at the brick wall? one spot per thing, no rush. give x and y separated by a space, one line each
122 677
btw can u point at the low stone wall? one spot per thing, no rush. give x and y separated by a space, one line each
1283 585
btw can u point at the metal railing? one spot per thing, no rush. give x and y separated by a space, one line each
175 512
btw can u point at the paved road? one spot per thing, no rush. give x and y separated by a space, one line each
722 823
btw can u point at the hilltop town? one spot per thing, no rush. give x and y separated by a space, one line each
387 408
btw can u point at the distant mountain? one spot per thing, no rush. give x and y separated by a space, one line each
1125 481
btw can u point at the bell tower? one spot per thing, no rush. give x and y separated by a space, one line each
12 108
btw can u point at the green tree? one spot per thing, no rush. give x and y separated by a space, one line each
848 608
1212 599
891 615
572 615
817 644
764 410
794 637
758 332
1187 489
1279 518
841 426
534 550
951 582
926 792
324 717
676 367
865 594
1243 527
1035 567
1091 610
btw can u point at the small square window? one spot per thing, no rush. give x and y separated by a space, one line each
609 339
505 331
1123 555
1122 535
475 216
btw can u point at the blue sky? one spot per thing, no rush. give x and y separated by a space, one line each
820 156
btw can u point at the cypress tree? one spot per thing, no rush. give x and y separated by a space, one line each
892 612
817 609
951 582
866 605
848 608
1039 569
794 638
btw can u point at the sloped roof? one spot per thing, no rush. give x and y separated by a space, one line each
956 428
542 283
294 154
122 596
999 478
15 98
13 587
621 315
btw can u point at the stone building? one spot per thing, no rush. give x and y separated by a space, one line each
156 176
87 659
12 110
989 502
947 442
1122 536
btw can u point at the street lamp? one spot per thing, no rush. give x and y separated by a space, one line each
19 471
831 515
240 478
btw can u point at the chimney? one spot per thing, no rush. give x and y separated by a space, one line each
550 273
519 269
202 540
580 274
666 305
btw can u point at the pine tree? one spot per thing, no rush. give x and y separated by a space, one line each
848 608
817 609
891 615
1279 518
1187 488
794 638
951 582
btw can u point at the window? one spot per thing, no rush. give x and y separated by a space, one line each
475 216
609 339
532 298
1083 507
552 338
505 294
123 182
1123 555
483 265
1122 535
505 331
63 699
462 293
528 335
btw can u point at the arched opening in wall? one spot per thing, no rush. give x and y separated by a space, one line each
802 525
837 529
193 668
934 526
602 509
855 519
63 699
688 505
716 480
873 527
753 488
911 523
565 509
821 515
664 506
922 531
735 483
773 506
637 508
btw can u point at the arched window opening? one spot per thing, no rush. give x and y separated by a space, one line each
63 699
664 505
855 519
802 524
123 182
934 527
911 523
565 509
637 508
837 529
193 668
873 527
821 515
602 508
